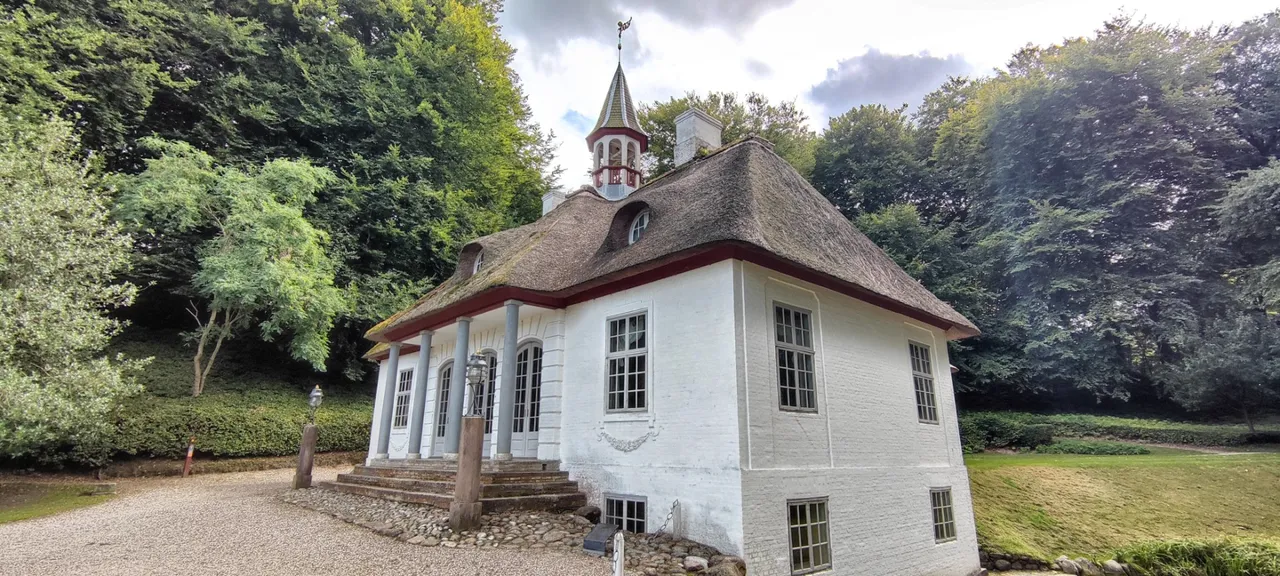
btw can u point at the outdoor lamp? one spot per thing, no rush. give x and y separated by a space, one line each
476 369
314 399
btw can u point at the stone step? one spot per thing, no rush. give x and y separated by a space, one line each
446 487
447 476
541 502
521 465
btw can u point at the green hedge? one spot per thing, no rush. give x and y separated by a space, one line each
981 430
1092 447
1225 557
240 424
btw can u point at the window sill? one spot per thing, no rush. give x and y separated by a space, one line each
800 411
930 423
630 416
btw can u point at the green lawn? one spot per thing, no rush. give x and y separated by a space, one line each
24 500
1044 505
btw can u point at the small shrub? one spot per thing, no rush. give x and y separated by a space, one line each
1094 447
1035 435
991 429
1224 557
982 430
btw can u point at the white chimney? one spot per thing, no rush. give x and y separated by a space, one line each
552 199
695 130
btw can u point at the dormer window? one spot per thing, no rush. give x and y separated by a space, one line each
638 226
479 262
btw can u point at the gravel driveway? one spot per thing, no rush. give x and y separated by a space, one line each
234 524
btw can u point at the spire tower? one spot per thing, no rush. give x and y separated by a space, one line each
617 141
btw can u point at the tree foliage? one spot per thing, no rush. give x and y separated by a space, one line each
59 257
868 159
249 254
782 124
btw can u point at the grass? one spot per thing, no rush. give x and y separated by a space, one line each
1043 505
25 500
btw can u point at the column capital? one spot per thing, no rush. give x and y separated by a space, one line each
513 303
463 319
426 332
395 345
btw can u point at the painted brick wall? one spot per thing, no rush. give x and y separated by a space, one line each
690 431
864 449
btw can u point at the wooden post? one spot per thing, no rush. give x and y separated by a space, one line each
191 451
619 554
306 457
466 508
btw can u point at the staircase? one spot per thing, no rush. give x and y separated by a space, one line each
504 485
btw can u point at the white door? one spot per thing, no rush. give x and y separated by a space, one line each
439 425
490 385
528 395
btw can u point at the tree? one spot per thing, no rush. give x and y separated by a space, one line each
1232 367
782 124
867 160
1250 218
242 246
59 258
1251 73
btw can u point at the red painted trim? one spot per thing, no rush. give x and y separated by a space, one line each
653 271
632 132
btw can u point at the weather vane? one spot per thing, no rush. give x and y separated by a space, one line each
621 27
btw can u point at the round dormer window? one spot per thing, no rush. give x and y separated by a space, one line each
638 226
479 262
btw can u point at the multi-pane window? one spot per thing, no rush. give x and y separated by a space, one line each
528 394
628 363
442 403
793 336
400 409
944 522
626 512
489 384
810 541
922 375
638 226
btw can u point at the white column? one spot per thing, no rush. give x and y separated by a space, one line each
457 390
388 401
419 394
506 399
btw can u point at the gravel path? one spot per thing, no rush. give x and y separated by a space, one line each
235 524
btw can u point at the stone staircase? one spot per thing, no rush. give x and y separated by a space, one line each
507 485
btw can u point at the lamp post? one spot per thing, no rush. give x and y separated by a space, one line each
466 508
307 451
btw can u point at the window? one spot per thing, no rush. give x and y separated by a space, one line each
599 154
479 262
944 523
491 359
528 388
631 155
625 512
810 544
400 410
615 152
442 403
922 374
793 335
628 363
638 225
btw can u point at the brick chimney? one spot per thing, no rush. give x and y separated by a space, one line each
695 130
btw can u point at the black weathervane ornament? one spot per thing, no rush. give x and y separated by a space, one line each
621 27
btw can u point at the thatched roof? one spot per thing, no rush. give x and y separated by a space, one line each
743 197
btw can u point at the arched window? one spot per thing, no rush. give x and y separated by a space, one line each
631 155
528 392
479 262
599 154
638 225
490 358
615 152
442 399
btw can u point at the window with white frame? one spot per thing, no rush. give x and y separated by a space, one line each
628 360
793 337
478 263
400 409
638 225
944 522
922 375
442 401
810 538
490 383
626 512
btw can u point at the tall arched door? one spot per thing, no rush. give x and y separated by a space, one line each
528 396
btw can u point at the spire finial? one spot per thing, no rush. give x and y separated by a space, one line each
621 27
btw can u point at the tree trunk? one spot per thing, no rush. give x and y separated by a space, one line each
1248 419
197 385
227 321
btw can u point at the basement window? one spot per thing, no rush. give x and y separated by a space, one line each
810 539
628 513
400 412
944 522
922 375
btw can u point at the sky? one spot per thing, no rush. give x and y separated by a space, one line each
826 55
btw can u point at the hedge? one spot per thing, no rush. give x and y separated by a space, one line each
981 430
1092 447
1223 557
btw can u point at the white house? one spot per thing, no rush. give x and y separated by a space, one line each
717 352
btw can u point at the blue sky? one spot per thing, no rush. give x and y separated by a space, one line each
825 55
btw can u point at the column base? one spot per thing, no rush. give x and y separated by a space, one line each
413 456
381 456
502 457
450 455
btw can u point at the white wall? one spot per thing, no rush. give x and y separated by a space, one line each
690 430
864 449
